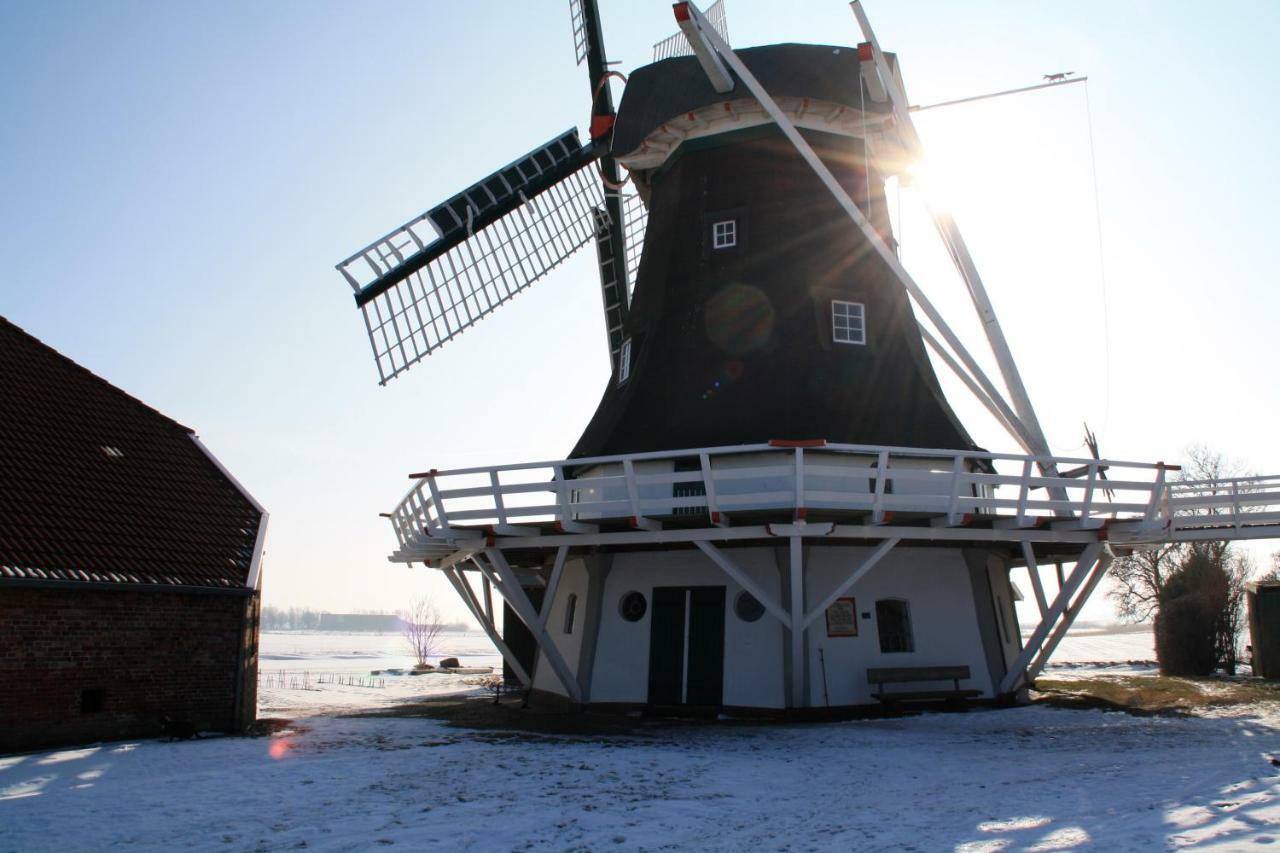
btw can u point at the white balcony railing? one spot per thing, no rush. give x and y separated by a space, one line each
715 483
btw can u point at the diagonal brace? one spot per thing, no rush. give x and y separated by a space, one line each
468 598
745 581
856 575
511 590
1017 673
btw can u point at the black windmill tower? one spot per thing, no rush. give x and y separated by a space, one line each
739 304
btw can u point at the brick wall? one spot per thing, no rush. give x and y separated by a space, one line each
82 665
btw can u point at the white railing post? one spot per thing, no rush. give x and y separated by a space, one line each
877 505
1235 504
499 507
442 516
1024 489
562 494
1157 488
1090 486
953 502
709 487
633 494
800 503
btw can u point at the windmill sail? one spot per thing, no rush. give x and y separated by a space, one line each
435 276
618 269
635 218
678 45
578 20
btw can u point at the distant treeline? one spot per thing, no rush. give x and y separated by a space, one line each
302 619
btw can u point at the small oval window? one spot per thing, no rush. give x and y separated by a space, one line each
633 606
748 607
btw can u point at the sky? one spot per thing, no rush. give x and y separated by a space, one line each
180 179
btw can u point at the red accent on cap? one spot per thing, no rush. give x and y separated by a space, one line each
888 516
632 521
801 513
967 518
601 125
865 53
715 518
803 442
559 527
491 540
681 10
1103 533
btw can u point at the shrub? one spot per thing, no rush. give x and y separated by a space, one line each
1188 622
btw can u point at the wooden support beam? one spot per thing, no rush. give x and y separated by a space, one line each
553 584
1099 572
1018 670
744 580
488 599
717 74
1033 569
797 623
856 575
489 628
524 610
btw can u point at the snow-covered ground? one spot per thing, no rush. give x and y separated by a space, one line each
304 658
1107 645
1029 779
1034 778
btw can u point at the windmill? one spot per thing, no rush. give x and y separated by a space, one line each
773 453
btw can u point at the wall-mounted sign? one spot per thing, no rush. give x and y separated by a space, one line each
842 618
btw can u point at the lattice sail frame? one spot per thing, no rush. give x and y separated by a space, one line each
578 20
450 294
678 44
435 276
635 219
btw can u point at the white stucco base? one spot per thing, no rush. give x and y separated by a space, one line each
948 619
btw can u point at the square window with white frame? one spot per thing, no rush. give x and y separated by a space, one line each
724 234
848 322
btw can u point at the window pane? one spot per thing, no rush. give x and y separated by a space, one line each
848 322
893 621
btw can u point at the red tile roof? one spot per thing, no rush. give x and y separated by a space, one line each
98 487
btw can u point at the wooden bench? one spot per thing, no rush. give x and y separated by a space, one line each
920 674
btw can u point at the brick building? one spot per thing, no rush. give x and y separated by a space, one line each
129 564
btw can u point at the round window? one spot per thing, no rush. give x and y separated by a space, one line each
748 607
633 606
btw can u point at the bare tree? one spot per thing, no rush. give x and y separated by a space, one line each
1138 579
422 629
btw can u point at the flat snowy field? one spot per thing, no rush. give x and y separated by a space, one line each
1033 778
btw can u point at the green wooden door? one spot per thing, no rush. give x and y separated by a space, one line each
705 655
686 646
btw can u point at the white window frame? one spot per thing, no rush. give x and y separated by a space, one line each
624 361
845 332
724 234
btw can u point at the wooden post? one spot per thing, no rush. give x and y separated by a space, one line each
798 699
